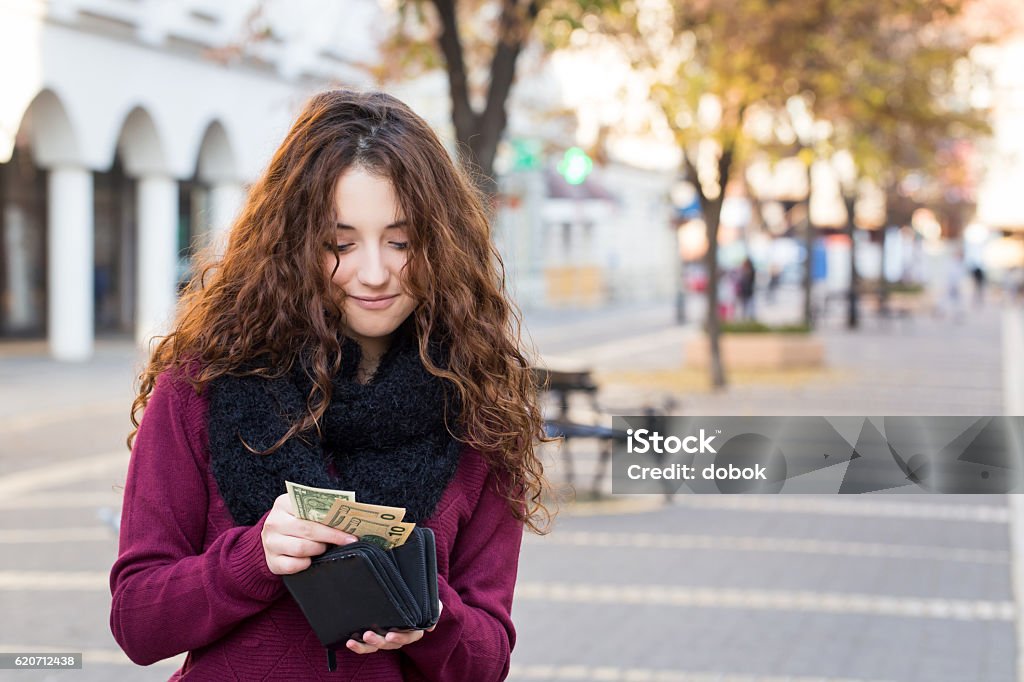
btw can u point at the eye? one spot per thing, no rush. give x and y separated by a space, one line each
401 246
338 248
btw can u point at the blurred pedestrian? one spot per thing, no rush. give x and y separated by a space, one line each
746 288
978 275
774 279
727 295
354 336
954 280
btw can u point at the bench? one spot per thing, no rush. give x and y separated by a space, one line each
560 386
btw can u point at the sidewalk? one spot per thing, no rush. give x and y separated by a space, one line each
921 366
707 589
914 588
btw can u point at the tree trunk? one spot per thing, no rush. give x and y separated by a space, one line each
712 211
478 133
852 313
808 259
712 215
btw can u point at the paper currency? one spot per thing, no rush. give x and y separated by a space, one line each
342 508
370 522
374 523
313 504
379 532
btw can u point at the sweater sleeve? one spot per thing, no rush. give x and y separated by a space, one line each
473 639
169 595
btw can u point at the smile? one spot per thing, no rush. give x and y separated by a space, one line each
377 303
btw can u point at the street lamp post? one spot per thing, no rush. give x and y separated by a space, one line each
846 171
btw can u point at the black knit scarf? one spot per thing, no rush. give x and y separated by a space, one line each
387 438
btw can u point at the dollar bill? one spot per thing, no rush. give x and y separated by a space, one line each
313 504
342 508
379 532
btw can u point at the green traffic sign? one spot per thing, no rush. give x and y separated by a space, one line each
575 166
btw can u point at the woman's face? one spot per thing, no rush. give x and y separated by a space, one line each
372 240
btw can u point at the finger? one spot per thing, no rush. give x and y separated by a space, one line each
286 565
311 530
400 638
288 545
359 647
390 642
377 641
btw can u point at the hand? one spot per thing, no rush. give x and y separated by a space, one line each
395 639
289 542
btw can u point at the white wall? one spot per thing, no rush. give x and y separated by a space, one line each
639 246
999 203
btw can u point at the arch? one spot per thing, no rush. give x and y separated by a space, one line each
216 161
48 130
140 146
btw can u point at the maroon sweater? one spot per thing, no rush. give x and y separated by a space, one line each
187 579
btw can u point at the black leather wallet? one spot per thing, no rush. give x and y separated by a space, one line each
350 589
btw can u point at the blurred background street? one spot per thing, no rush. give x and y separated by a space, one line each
729 208
884 587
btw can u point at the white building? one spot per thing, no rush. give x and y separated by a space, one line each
610 239
999 201
128 132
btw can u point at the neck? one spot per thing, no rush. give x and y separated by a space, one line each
371 352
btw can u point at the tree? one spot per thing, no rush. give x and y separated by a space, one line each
478 43
711 64
879 71
883 74
880 77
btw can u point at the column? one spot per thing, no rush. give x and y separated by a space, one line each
70 264
225 202
157 276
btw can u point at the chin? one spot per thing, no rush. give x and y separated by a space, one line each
375 332
373 328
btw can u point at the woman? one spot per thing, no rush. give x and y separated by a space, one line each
355 336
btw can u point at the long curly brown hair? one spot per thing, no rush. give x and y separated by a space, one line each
259 300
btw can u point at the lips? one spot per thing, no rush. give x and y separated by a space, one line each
375 302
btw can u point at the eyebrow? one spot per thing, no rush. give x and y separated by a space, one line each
396 224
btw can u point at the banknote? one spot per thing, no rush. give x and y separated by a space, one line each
379 532
313 504
342 508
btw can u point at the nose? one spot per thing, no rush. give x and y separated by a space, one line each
373 272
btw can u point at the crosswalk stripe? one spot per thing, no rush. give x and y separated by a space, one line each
54 580
48 535
768 544
860 505
60 473
874 505
670 595
769 600
612 674
34 420
65 500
